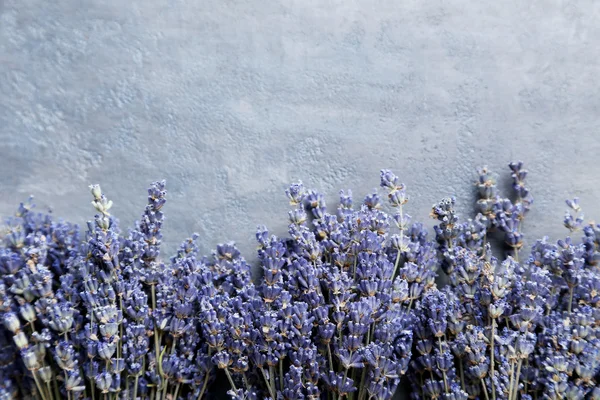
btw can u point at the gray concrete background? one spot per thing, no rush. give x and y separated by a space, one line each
232 100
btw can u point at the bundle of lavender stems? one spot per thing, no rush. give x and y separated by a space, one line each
356 304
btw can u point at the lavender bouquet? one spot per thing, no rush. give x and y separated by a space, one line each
349 306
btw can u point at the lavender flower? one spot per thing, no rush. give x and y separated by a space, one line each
348 306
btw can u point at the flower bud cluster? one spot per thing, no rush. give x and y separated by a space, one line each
348 306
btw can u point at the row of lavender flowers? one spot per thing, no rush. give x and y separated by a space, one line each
344 308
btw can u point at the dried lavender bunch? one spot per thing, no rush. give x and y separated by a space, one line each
347 306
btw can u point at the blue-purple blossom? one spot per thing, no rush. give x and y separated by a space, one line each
355 302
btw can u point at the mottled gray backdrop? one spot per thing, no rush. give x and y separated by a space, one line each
229 101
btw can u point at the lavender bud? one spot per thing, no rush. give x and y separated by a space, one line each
106 350
27 312
388 180
30 359
21 340
11 322
104 381
45 374
96 191
295 193
221 360
496 310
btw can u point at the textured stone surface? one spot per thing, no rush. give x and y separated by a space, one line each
231 100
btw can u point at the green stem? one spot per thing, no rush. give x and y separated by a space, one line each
329 356
272 376
37 384
484 389
462 374
267 382
207 375
50 390
176 390
571 290
156 344
512 377
164 390
443 372
396 264
527 381
346 372
119 350
67 390
492 359
281 374
230 379
361 390
135 387
516 387
353 377
330 366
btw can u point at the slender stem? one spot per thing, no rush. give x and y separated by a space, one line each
159 390
156 342
176 390
527 381
272 376
164 390
119 349
516 387
396 264
135 387
50 390
484 241
40 387
512 377
230 379
331 366
353 377
346 372
37 384
485 392
447 389
462 375
206 376
571 290
267 382
160 369
280 374
361 390
329 356
66 389
492 359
